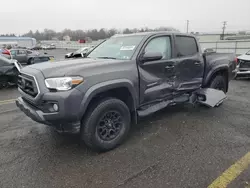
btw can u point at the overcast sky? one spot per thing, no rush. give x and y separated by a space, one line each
20 16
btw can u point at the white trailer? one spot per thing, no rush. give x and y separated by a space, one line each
19 41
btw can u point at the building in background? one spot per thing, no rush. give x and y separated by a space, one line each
66 38
17 41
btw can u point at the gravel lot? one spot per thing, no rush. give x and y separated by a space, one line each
181 146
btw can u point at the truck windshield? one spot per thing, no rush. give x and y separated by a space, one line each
117 48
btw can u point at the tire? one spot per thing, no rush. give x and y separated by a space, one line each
219 82
3 82
30 61
110 115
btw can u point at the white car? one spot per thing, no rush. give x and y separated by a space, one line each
244 65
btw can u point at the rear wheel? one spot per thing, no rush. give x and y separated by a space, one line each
106 124
219 82
30 61
3 82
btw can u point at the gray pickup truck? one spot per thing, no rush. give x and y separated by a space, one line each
121 80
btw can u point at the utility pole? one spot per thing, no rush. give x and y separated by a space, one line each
187 25
223 29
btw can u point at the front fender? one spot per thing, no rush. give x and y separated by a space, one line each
105 86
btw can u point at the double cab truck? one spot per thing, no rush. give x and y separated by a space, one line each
120 81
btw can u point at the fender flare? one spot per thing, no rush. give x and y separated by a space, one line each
213 71
105 86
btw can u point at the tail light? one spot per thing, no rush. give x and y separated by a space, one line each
236 60
6 52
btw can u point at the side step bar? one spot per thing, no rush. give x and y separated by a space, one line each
206 96
163 104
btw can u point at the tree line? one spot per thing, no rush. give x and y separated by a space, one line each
93 34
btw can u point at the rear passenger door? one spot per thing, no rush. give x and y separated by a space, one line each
189 64
21 56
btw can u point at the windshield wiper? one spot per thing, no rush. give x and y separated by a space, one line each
106 57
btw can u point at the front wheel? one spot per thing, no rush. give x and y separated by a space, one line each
106 124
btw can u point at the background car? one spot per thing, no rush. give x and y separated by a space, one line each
79 53
243 65
23 56
8 72
5 52
36 47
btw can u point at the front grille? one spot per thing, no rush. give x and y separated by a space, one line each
244 64
27 84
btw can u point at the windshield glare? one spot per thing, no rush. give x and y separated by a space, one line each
117 48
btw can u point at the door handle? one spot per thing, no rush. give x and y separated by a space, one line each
197 63
169 67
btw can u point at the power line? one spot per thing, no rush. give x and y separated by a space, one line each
223 29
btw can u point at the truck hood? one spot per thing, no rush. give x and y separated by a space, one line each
72 67
244 57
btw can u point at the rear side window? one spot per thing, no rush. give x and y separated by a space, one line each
21 52
186 46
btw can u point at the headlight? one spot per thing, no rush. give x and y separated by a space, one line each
63 83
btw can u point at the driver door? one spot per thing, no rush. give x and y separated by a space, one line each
156 76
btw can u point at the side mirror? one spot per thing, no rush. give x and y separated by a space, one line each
84 55
151 56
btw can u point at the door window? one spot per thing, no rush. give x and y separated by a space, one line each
13 52
21 52
186 46
160 44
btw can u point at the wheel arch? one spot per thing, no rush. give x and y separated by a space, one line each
219 70
121 89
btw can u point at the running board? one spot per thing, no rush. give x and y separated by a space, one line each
209 97
205 96
150 109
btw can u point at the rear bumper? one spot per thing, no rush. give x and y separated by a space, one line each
51 119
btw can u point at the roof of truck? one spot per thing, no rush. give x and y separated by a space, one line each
152 33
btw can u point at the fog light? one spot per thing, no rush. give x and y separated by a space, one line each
55 106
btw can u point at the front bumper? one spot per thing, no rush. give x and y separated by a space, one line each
66 119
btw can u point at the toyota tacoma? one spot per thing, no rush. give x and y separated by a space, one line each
121 80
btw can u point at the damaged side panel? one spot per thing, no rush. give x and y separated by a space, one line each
8 75
210 97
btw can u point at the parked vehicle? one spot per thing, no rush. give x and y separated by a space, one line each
48 46
23 56
8 72
37 47
243 65
79 53
121 80
41 59
5 52
52 46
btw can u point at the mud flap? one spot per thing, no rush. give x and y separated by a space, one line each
209 97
